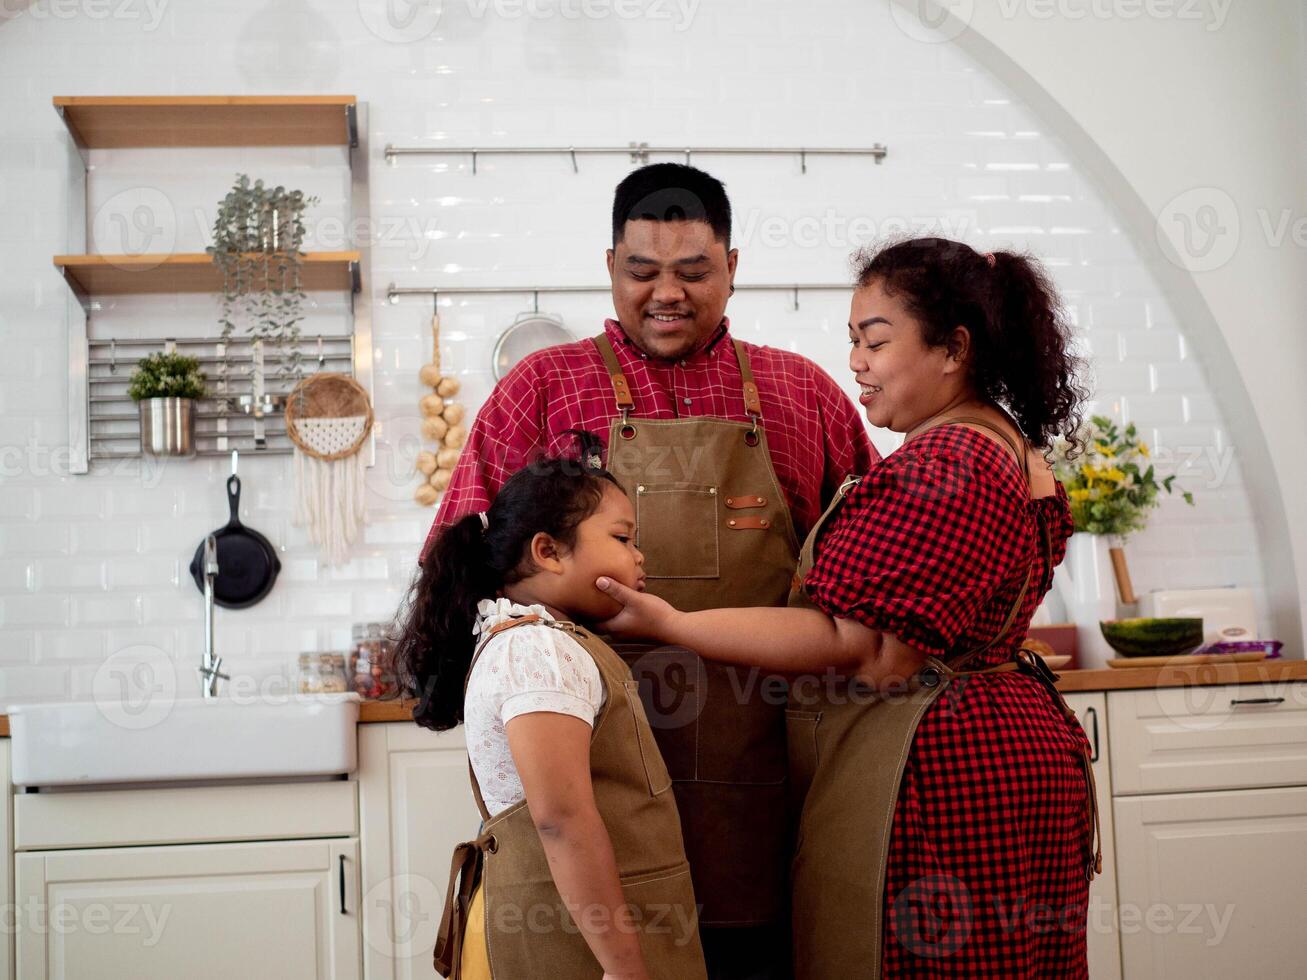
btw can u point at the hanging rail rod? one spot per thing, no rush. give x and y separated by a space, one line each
638 152
395 293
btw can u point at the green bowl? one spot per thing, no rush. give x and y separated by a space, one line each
1168 637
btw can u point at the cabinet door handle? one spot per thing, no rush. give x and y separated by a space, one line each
1091 714
342 885
1235 701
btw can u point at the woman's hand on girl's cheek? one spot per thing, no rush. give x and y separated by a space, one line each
643 615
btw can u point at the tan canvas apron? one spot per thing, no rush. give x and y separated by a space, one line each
848 749
715 531
529 932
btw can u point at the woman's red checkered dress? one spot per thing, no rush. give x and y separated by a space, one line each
987 855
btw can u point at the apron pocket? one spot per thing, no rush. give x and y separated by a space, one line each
655 769
664 904
801 739
676 526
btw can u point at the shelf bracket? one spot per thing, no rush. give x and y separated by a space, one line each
82 296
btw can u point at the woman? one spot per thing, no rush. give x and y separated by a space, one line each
948 816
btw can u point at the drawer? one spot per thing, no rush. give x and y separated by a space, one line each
57 819
1186 739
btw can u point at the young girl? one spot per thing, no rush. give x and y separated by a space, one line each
579 870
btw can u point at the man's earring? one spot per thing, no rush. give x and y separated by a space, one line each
732 289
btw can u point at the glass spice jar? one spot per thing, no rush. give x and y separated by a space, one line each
308 679
331 670
370 665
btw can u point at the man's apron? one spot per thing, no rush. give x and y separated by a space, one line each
715 531
503 876
848 749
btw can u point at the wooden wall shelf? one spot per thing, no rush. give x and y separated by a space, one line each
190 272
162 121
114 122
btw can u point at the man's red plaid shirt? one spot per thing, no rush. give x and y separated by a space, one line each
814 432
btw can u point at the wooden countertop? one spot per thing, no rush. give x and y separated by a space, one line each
1069 681
1133 678
374 711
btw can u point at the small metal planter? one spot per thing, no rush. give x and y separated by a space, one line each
167 426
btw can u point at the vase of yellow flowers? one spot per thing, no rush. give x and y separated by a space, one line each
1112 487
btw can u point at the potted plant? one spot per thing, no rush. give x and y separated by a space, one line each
164 387
1112 487
258 236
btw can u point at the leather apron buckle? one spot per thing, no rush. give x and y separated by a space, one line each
752 438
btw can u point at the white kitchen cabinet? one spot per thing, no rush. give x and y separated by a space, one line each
1193 739
283 910
1102 929
415 805
1211 884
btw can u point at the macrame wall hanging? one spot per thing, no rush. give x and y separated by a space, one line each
442 423
328 418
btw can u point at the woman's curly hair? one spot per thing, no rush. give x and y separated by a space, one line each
1020 338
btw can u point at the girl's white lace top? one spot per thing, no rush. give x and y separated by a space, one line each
522 670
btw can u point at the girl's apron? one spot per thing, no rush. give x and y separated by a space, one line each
848 749
716 531
503 876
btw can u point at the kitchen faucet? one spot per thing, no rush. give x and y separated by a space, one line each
211 669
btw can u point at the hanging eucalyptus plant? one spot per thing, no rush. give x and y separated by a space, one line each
257 239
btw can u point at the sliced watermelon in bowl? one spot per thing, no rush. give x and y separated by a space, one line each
1170 636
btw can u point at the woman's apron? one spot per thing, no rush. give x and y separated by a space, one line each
503 876
715 531
848 749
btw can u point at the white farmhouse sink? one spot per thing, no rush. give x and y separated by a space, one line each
108 741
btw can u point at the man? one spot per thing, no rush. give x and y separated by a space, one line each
730 451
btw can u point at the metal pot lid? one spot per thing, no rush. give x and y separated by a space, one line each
529 333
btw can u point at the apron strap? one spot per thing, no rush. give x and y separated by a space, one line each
752 403
622 388
1029 662
494 631
464 876
1023 458
463 870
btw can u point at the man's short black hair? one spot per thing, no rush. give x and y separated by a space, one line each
672 192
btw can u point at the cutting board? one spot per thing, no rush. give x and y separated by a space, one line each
1189 659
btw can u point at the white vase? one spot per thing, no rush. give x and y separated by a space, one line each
1088 590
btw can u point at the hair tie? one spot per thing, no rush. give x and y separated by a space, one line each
989 257
485 521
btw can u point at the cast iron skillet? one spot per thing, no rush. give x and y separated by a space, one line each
247 562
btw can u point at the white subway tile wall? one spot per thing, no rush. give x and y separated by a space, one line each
94 566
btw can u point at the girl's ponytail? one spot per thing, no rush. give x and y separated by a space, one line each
434 645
